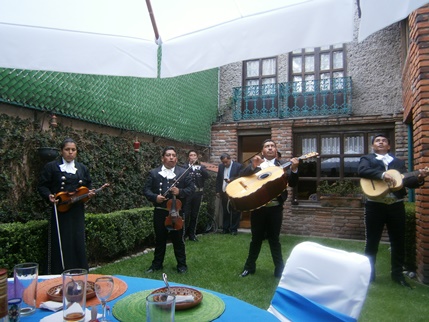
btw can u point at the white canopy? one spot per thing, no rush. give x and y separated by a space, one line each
116 37
378 14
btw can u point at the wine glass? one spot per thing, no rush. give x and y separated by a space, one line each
103 289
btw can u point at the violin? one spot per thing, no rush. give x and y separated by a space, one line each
67 199
173 221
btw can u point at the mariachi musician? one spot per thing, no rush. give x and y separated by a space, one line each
166 187
66 246
266 221
198 173
387 210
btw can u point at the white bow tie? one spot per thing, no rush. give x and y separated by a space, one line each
68 167
167 173
267 163
385 158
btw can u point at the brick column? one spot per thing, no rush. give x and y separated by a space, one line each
416 111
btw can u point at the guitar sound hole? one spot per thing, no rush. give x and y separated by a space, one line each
265 175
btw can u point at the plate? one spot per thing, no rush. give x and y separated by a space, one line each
55 293
181 290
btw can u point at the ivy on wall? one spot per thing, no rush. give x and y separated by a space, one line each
110 159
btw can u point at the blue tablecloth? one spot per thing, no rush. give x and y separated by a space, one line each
235 309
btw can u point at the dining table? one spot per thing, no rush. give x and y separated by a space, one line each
127 303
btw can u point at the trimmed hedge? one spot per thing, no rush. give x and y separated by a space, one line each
108 237
410 236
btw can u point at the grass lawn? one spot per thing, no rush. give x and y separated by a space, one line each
216 261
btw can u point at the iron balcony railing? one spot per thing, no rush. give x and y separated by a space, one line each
319 97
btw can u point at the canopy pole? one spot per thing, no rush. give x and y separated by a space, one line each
152 19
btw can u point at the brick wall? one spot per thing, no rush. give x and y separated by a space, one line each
306 219
415 94
330 222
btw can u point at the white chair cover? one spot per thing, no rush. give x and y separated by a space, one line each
320 283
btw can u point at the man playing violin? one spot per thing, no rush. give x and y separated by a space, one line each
167 187
198 174
387 210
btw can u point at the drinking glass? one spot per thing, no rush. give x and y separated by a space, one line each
103 289
74 294
160 307
25 277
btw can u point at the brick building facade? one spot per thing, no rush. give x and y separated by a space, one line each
390 88
416 112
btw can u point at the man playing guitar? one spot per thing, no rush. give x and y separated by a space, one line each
388 209
266 221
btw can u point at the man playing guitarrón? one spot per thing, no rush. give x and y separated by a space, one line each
266 221
386 210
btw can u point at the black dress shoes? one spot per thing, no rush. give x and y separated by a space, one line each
152 269
245 273
182 270
193 238
403 283
278 271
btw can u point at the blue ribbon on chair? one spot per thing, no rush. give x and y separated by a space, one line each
296 307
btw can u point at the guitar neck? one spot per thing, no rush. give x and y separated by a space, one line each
413 173
287 164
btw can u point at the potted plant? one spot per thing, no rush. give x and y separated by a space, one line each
340 193
46 151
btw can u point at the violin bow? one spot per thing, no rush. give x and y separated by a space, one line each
176 181
59 235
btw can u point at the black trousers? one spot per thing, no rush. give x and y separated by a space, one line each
377 215
266 223
231 217
191 210
161 237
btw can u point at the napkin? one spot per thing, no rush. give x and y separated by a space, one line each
58 317
184 299
51 305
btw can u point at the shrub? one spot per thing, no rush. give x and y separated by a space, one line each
108 237
341 188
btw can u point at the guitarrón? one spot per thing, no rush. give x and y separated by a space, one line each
255 191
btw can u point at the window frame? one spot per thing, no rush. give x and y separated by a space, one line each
314 180
317 53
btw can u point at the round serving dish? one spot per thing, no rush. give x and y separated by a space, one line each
183 291
55 293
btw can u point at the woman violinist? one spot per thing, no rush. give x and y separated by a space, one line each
66 245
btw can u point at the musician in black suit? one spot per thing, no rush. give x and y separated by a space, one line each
228 171
162 184
66 250
198 174
387 210
266 222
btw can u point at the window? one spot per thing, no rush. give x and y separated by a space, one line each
317 76
339 155
260 85
323 64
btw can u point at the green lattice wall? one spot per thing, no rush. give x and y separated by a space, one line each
181 108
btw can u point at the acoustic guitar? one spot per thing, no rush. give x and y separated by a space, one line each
67 199
378 188
254 191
